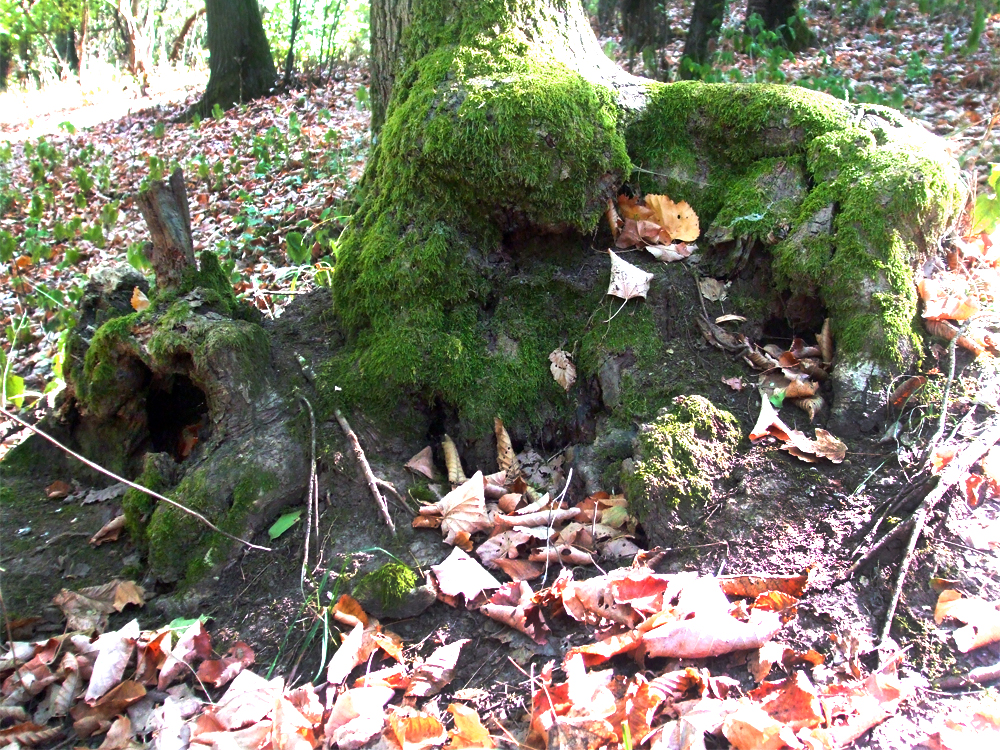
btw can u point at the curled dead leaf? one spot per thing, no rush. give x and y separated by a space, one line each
562 368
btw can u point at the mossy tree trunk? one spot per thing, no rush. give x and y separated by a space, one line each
506 133
240 64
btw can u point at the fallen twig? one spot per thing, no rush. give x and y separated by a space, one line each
370 478
952 474
133 485
976 676
312 496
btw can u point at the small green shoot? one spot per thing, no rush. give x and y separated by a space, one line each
217 112
986 214
68 127
298 251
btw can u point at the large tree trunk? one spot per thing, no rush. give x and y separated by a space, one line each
706 20
240 64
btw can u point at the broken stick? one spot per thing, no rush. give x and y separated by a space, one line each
366 469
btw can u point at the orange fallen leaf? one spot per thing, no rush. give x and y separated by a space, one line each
469 731
679 219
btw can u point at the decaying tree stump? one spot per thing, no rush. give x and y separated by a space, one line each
165 208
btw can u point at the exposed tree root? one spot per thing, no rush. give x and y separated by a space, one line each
373 481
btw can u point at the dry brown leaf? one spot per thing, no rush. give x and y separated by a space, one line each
364 703
671 253
627 281
502 545
451 460
613 219
462 509
193 643
58 490
562 368
469 731
520 569
630 209
562 555
506 458
352 652
139 300
751 728
119 736
825 342
712 289
947 331
679 219
811 405
793 701
218 672
348 611
629 235
109 532
437 671
422 463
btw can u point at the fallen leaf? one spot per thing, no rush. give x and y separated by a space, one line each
562 368
193 643
521 570
437 670
981 618
460 575
631 209
469 731
113 653
422 463
903 393
58 490
712 289
736 383
218 672
752 585
462 510
752 728
513 605
711 635
139 300
351 653
452 461
506 458
679 219
670 253
109 532
627 281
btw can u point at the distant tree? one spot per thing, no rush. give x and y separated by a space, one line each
783 16
706 20
644 26
239 58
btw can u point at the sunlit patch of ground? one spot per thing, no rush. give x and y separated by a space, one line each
104 95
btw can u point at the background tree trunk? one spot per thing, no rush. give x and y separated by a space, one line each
782 15
178 45
6 56
607 12
240 64
643 24
706 19
389 18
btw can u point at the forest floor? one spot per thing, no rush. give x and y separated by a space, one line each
271 187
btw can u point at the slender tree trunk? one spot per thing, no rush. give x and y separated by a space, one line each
240 64
290 57
643 24
84 31
6 55
606 12
178 45
706 19
782 15
388 19
135 43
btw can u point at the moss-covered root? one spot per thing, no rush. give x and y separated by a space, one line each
880 194
677 457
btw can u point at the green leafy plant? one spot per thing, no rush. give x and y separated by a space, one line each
298 251
986 214
135 254
159 130
284 523
217 112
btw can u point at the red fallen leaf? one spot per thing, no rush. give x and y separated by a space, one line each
416 730
290 730
151 655
904 392
391 643
792 701
640 588
437 671
942 456
606 648
711 635
629 235
248 699
975 488
193 643
520 569
34 676
513 606
394 677
58 490
220 671
469 731
753 585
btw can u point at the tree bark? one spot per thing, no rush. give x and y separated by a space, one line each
165 208
240 64
6 56
782 16
706 19
643 24
178 45
388 20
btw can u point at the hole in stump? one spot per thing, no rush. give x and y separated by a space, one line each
177 415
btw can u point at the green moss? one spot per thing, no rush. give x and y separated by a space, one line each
488 125
387 584
678 455
138 506
25 459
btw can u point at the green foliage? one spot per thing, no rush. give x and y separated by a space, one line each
298 252
986 216
284 523
135 254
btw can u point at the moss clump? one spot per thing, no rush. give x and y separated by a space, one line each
388 585
138 506
678 455
25 459
488 131
887 184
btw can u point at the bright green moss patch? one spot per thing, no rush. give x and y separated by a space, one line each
678 455
387 584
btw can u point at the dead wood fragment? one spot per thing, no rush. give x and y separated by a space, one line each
366 469
164 206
